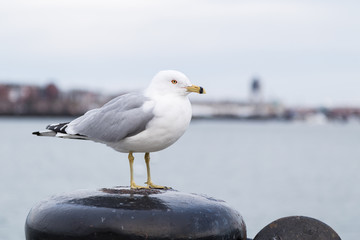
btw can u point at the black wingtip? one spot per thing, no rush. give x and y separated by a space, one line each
60 127
36 133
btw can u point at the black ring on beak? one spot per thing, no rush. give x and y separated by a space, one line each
201 90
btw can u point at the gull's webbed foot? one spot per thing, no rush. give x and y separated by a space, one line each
152 185
133 185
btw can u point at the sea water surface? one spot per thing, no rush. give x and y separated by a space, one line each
265 170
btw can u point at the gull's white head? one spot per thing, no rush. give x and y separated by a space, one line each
172 82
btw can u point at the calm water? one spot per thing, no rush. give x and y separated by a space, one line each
264 170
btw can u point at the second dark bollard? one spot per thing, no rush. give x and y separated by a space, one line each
297 228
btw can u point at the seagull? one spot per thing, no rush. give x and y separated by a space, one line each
137 122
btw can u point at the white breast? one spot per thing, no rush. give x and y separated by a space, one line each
172 118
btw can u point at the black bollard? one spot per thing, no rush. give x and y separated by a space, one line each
297 228
122 213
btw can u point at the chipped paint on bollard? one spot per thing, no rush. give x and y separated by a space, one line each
122 213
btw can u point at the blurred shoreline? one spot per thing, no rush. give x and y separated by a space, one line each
49 101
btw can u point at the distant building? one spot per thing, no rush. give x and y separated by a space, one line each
51 91
256 99
256 92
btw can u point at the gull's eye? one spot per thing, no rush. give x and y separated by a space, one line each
173 81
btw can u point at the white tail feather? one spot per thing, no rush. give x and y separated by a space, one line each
70 136
51 133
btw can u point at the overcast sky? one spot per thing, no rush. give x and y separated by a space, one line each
305 52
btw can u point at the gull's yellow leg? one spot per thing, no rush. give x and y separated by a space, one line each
132 182
149 182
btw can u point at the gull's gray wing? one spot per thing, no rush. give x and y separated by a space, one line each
122 117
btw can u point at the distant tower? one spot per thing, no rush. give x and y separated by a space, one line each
256 91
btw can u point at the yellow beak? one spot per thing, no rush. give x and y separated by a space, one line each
196 89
